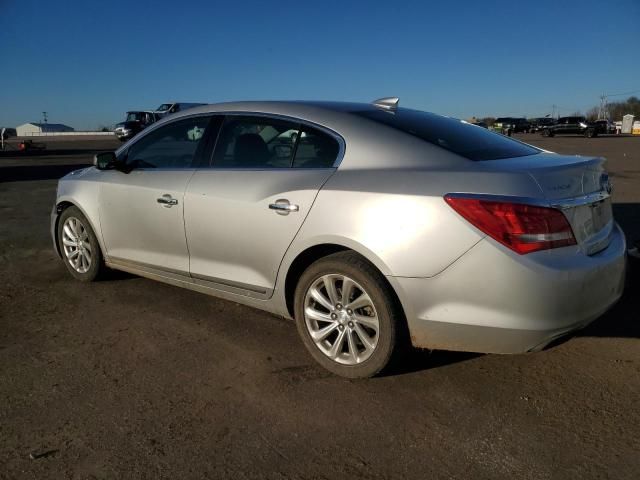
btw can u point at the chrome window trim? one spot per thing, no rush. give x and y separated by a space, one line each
336 136
342 147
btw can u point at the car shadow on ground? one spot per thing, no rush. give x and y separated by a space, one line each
111 275
628 216
416 360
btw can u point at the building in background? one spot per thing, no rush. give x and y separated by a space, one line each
37 129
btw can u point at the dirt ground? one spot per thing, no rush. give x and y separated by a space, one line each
129 378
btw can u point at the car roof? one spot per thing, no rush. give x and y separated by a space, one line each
370 143
290 107
337 116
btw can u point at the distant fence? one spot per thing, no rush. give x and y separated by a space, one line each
63 134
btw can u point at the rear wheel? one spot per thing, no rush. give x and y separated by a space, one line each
590 133
79 246
346 315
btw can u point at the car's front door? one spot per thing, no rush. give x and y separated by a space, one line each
243 211
141 212
574 125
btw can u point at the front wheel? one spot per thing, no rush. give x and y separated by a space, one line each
79 246
346 315
590 133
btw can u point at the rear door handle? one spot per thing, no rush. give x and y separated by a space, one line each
283 207
167 200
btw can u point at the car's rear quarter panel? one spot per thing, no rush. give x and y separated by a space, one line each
398 219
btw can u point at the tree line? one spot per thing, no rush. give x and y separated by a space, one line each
618 109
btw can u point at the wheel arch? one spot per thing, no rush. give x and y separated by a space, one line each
314 253
62 205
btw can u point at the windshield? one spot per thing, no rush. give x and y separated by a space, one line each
134 117
164 107
451 134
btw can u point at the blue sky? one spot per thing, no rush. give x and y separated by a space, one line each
87 62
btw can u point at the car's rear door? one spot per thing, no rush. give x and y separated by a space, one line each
243 210
141 212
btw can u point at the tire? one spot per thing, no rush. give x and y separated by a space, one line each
73 227
590 133
550 133
355 356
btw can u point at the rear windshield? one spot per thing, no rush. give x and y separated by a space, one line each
470 141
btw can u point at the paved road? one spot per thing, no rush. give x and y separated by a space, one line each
128 378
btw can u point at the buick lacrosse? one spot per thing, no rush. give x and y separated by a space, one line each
368 224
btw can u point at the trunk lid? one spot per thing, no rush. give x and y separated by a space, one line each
579 186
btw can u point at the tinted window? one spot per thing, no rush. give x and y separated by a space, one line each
315 149
170 146
255 142
451 134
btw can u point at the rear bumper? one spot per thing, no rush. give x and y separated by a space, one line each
495 301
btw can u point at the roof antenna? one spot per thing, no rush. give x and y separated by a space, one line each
387 103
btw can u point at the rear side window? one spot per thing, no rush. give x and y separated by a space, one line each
255 142
315 149
470 141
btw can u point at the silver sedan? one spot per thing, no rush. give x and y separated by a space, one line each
371 225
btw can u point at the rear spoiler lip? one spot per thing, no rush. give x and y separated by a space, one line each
560 204
543 160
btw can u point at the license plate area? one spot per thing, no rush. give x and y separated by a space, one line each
600 214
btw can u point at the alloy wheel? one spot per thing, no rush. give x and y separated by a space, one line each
341 319
76 245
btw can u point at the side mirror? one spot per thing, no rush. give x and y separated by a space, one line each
104 161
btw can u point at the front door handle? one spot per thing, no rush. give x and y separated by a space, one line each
283 207
167 200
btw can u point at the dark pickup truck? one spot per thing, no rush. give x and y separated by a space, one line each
135 122
571 126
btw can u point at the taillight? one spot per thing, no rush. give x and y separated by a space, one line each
522 228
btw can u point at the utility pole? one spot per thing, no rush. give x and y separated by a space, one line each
44 117
603 111
553 111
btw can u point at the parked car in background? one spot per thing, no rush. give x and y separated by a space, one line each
502 125
368 224
570 126
169 108
135 122
8 132
604 127
537 124
510 125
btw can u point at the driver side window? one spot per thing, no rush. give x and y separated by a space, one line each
171 146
